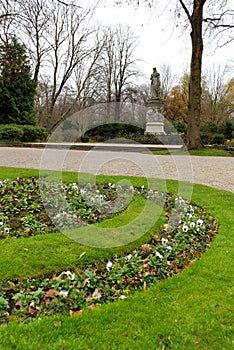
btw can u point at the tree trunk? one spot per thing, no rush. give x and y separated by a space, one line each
194 108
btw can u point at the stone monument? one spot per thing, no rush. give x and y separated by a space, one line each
155 106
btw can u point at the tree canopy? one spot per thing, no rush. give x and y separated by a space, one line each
17 88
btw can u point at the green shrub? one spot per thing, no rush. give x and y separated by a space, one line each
218 139
210 128
84 138
180 127
100 139
24 133
208 131
33 133
227 129
11 132
113 130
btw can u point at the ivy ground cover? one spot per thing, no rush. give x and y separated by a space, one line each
146 306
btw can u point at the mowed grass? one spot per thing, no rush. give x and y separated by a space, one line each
193 310
206 152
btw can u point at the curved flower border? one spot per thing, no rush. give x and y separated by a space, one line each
187 234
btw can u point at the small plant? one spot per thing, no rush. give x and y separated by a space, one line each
218 139
84 138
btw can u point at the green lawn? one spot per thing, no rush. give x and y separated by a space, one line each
193 310
206 152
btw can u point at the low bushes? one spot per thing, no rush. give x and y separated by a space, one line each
218 139
11 132
217 134
23 133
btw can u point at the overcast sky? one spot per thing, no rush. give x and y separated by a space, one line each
159 40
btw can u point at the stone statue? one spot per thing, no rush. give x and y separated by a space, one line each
155 84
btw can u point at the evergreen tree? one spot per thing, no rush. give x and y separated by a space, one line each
17 88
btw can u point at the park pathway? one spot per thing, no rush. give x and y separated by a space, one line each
217 172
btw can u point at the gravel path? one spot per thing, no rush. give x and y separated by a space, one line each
212 171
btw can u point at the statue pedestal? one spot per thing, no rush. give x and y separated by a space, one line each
154 116
155 128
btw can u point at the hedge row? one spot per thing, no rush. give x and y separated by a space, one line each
23 133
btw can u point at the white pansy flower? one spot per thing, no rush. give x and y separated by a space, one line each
191 210
192 224
128 257
1 223
185 228
199 222
6 230
160 256
63 293
164 241
169 248
109 266
70 275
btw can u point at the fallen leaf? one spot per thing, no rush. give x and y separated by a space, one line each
51 293
146 248
56 278
82 254
92 306
11 283
144 285
47 302
75 313
116 293
32 312
85 282
88 298
57 324
190 263
156 238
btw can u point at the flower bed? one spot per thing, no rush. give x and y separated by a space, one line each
186 234
23 203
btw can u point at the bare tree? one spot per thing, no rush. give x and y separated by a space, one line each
35 23
70 47
215 100
118 63
219 16
167 78
7 15
84 89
